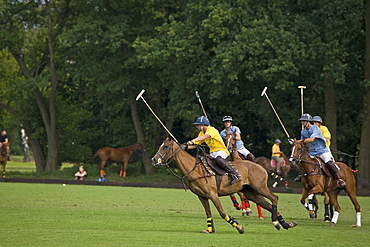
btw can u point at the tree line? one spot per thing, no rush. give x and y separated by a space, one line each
71 70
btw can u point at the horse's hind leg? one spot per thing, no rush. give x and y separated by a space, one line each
4 172
235 202
259 199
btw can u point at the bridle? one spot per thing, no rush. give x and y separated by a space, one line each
297 160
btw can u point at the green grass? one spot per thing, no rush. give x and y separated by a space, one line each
79 215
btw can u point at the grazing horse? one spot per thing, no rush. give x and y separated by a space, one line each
121 155
315 180
4 151
252 183
230 143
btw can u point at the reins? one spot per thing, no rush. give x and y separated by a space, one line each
299 160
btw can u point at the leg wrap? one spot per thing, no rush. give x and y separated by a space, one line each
210 227
282 222
235 202
259 209
246 201
231 221
311 202
274 213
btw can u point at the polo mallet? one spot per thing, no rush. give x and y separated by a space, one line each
200 102
140 95
267 97
302 87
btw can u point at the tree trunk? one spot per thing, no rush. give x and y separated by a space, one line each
364 155
52 155
330 119
149 169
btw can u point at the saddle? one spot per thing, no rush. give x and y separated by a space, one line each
211 165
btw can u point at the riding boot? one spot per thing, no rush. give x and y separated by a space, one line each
334 171
226 166
298 178
251 157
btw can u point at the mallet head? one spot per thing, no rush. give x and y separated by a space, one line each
197 94
302 87
140 94
264 91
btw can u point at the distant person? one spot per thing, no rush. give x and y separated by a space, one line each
276 154
5 140
230 128
81 174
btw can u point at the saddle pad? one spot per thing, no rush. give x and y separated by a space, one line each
273 163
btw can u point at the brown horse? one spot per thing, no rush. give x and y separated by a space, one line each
230 143
315 180
121 155
253 184
4 155
282 175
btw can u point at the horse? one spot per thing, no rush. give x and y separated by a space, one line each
230 142
207 186
121 155
270 166
4 151
316 180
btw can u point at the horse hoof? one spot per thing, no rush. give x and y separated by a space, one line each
355 226
293 224
333 224
244 212
240 229
313 216
327 219
206 232
249 213
261 218
276 224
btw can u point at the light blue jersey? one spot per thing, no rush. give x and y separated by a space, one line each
240 143
318 146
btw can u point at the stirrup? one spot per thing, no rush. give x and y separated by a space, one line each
341 183
298 179
234 178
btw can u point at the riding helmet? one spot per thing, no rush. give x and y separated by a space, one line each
227 118
202 120
277 141
317 119
305 117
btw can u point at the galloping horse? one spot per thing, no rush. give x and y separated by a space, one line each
4 150
121 155
284 169
208 186
316 181
230 142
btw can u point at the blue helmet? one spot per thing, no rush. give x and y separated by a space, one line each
305 117
227 118
277 141
202 120
317 119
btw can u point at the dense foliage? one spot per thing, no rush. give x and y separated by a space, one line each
70 71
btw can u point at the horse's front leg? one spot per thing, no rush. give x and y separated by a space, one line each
216 201
207 208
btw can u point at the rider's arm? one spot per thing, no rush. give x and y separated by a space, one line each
237 136
197 140
307 140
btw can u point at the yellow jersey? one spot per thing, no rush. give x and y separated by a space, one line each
215 142
326 134
275 150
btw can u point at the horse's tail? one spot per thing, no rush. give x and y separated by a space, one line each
96 154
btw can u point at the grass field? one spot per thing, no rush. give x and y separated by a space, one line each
79 215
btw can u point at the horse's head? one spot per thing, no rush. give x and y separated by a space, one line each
230 141
140 148
5 148
165 153
298 151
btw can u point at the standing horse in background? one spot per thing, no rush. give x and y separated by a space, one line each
252 183
4 155
230 143
318 180
121 155
270 166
